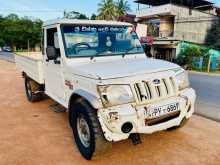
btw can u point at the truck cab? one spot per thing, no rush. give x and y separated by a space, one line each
99 72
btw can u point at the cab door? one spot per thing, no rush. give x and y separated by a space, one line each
54 82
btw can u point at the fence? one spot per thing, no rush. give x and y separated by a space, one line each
206 64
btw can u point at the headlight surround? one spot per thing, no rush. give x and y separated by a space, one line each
182 78
113 95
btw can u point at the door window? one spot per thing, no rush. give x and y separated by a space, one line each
52 39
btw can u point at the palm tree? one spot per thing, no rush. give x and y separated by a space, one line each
123 7
107 10
111 10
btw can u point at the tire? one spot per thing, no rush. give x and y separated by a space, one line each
30 88
182 124
91 142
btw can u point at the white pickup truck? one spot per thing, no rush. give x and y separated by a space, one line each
98 71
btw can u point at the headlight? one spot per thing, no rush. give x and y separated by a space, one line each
182 79
115 94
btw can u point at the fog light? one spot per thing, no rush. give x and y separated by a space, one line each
127 127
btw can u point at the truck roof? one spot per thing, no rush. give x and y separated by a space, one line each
85 22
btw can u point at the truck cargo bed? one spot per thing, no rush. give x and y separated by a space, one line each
31 64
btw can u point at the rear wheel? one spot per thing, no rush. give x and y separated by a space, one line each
87 131
33 90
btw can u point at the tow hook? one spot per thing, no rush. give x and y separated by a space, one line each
135 138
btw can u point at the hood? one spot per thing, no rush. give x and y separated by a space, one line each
120 68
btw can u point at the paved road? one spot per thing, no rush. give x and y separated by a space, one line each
7 56
32 134
208 93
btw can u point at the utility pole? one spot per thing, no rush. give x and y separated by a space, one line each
191 4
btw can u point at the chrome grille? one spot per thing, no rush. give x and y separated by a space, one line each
148 90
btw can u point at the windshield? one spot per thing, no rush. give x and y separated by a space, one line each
91 41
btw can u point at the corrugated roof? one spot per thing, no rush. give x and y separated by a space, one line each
196 3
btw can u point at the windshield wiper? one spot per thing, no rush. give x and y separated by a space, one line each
97 54
130 49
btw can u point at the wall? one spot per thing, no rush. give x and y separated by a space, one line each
166 26
191 27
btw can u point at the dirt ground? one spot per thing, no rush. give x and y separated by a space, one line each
32 134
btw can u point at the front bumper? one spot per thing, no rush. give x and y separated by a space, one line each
112 119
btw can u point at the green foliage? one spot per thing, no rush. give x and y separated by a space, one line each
74 15
93 17
122 7
2 42
16 31
111 10
213 37
187 54
107 10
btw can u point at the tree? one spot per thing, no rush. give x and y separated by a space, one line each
82 16
107 10
74 15
93 17
123 7
213 36
16 32
2 42
111 10
12 17
189 52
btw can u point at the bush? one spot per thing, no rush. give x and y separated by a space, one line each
186 55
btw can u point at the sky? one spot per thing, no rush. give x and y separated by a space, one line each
51 9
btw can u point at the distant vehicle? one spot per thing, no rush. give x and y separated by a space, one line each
7 49
99 72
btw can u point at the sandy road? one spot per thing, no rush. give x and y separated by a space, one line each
32 134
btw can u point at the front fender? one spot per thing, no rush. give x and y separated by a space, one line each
92 99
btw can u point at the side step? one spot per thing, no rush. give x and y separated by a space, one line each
135 138
57 108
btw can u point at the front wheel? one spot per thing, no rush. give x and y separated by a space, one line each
87 131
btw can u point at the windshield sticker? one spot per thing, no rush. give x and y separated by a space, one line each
99 29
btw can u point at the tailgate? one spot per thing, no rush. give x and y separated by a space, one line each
31 64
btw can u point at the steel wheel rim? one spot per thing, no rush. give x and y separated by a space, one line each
83 131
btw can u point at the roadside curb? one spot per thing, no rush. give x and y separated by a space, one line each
205 74
9 57
4 59
207 117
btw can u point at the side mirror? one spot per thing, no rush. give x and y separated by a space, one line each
51 53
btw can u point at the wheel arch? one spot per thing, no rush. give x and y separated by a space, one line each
81 94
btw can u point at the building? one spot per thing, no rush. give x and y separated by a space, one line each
172 21
127 18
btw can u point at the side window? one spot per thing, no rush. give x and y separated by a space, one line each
52 39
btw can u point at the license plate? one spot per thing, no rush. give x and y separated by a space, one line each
159 111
